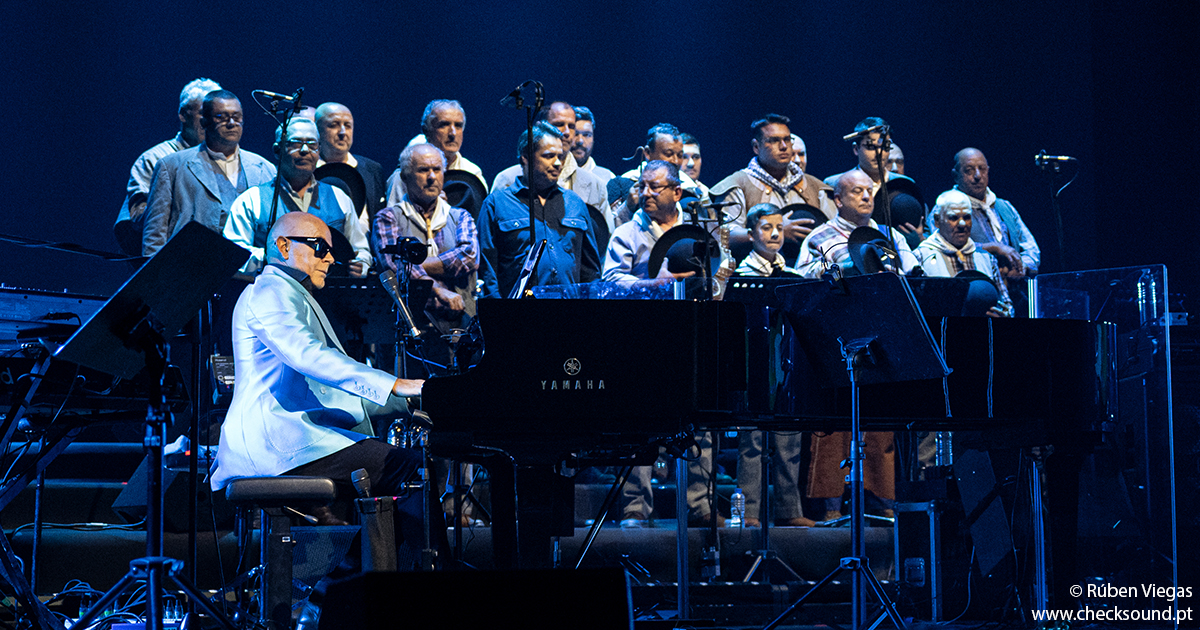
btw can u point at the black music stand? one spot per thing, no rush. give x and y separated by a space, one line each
128 333
863 329
358 308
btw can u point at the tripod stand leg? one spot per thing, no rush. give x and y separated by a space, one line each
799 602
889 608
758 559
767 559
102 604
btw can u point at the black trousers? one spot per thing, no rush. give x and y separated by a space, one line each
389 468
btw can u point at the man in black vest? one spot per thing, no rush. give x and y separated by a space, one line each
336 124
255 211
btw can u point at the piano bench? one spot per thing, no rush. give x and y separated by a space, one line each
280 491
275 496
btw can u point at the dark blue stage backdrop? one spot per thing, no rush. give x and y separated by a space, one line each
87 87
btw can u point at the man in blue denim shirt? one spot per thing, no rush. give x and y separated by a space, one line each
561 218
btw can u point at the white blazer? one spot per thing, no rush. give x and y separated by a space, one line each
297 397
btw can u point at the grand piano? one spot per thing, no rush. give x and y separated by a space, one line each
573 381
580 382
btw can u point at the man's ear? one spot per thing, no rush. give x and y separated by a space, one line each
283 245
754 146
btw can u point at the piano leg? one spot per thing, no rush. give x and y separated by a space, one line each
545 509
1062 508
504 511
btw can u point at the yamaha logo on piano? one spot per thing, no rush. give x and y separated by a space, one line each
572 367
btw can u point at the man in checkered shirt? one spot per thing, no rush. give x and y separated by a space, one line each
827 244
449 234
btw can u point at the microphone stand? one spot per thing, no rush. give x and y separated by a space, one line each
885 138
1055 172
283 144
406 328
517 99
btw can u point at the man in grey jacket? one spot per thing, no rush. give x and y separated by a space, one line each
200 183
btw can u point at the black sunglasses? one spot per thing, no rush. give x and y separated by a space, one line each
320 246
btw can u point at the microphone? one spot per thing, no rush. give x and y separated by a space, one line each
1041 159
409 249
864 132
388 279
296 100
513 99
362 483
280 97
516 99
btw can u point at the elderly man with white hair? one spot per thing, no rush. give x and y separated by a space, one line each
128 228
449 234
442 125
950 250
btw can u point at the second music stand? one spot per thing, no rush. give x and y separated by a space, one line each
861 330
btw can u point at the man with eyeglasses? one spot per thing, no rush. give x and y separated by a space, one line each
627 261
664 142
771 177
628 256
867 148
251 216
301 406
200 184
128 228
872 150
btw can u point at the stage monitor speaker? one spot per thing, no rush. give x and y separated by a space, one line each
131 503
586 599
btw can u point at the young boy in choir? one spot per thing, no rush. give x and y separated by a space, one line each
765 224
